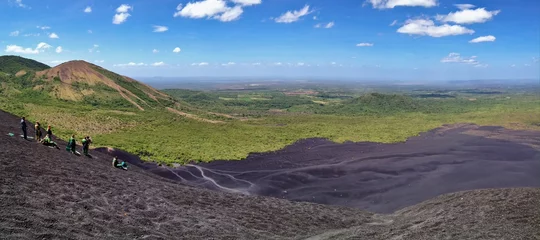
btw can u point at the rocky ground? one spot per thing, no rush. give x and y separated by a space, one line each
47 193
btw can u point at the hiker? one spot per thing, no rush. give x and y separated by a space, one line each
38 131
71 144
49 131
48 142
116 163
86 145
23 127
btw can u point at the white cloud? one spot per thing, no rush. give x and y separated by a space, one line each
200 64
278 63
90 31
256 64
14 33
489 38
293 16
300 64
177 50
426 27
155 51
481 65
94 48
402 3
122 14
57 61
19 3
99 61
393 23
32 35
214 9
130 64
59 49
228 64
468 16
457 58
333 63
88 9
328 25
160 28
18 49
53 35
364 45
43 27
156 64
464 6
247 2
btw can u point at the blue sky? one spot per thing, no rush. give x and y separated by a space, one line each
372 39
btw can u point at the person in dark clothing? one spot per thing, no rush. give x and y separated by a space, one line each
49 131
86 145
23 127
71 144
117 164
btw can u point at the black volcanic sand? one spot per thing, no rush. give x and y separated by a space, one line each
50 194
373 176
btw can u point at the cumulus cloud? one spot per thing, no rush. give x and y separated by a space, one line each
177 50
200 64
88 9
364 45
247 2
489 38
122 14
130 64
457 58
156 64
381 4
160 28
293 16
468 16
464 6
155 51
426 27
53 35
14 34
213 9
41 47
59 49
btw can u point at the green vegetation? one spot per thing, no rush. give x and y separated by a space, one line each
230 124
14 64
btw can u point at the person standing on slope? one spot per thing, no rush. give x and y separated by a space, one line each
116 163
23 127
38 131
71 144
86 145
49 131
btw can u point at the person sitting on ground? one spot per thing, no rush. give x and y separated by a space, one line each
38 132
23 127
86 145
48 142
117 164
71 144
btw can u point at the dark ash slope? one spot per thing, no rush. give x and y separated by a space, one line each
49 194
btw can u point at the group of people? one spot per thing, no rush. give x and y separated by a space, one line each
72 143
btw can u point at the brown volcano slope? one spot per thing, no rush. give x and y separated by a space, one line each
50 194
75 80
